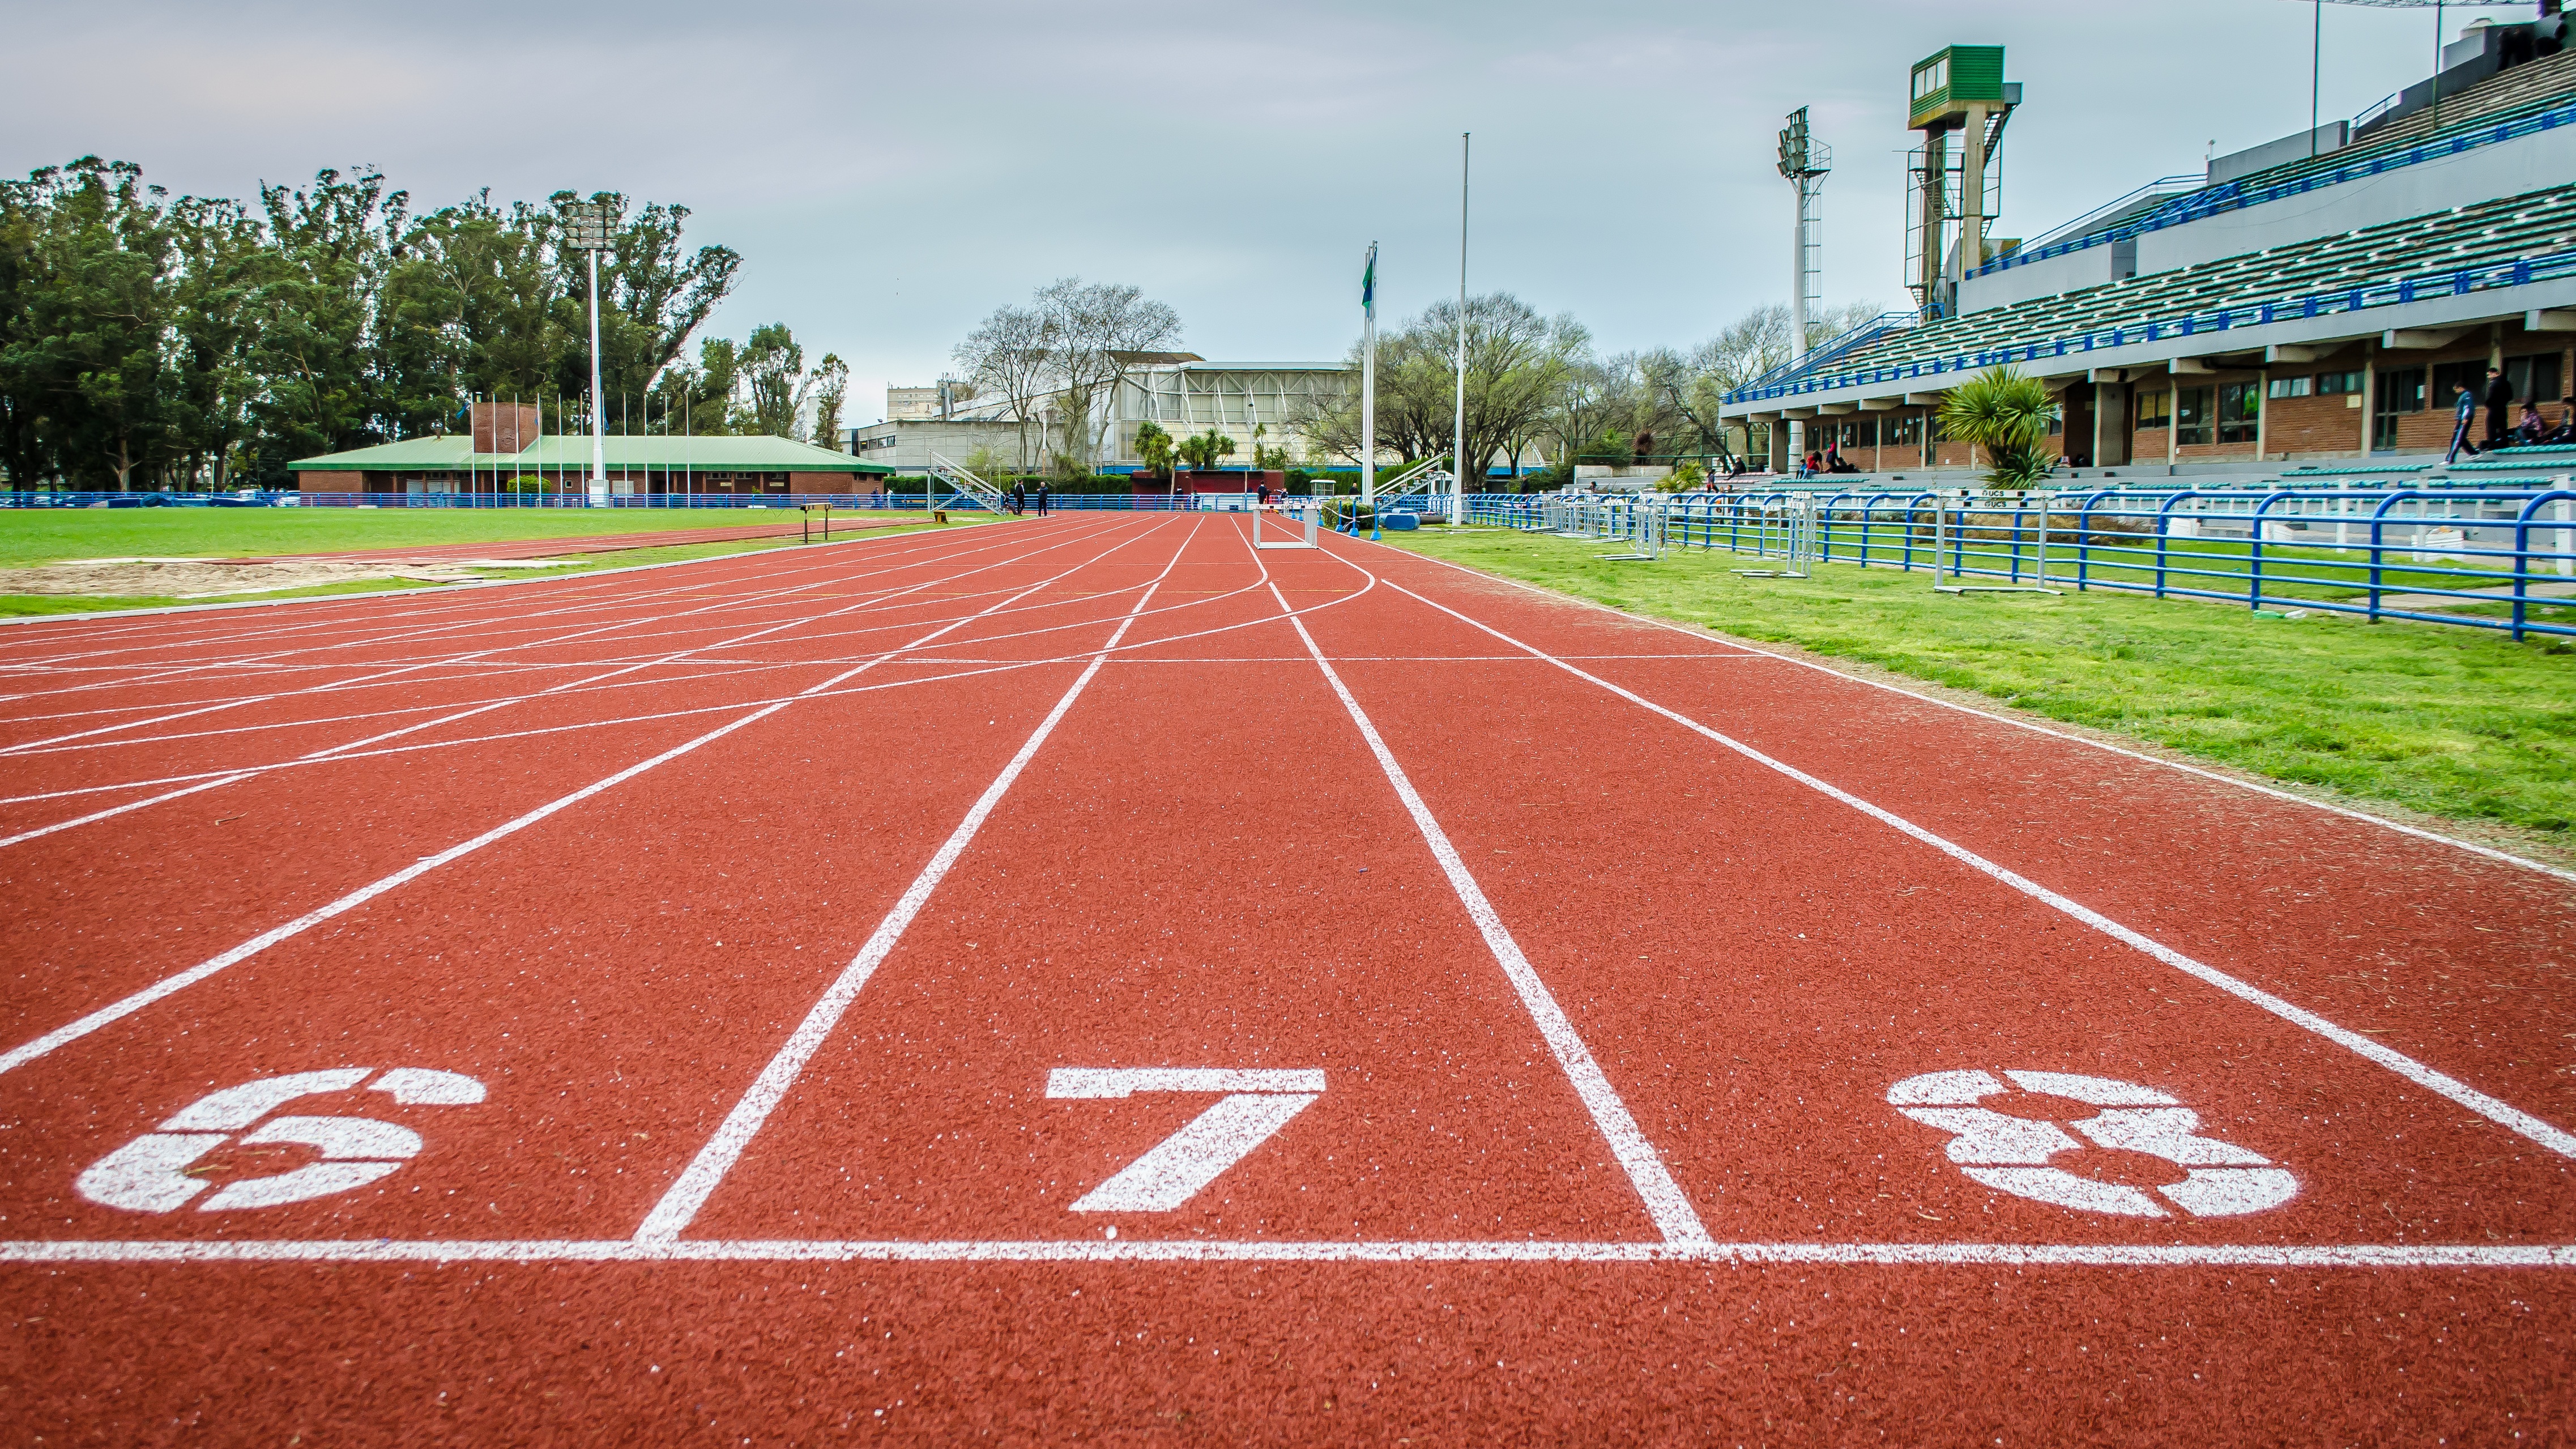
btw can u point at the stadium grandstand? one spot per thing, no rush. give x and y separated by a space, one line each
2309 305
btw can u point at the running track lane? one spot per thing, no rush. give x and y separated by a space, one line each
1201 871
2447 955
69 660
603 973
69 675
94 917
1763 964
1285 1352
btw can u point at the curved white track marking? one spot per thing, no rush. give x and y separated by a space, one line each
2358 1256
2512 1118
458 612
678 1207
2275 792
1666 1205
170 985
337 751
628 622
997 668
874 601
1058 538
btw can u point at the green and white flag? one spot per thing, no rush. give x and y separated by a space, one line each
1368 282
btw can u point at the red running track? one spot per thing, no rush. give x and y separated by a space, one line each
1092 980
597 543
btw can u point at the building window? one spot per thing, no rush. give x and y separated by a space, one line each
2154 409
2333 384
2401 391
2534 378
2191 416
2290 387
2240 411
2450 377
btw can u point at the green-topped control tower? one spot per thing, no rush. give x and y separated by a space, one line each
1959 89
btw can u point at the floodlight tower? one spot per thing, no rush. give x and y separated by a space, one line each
587 231
1961 88
1804 160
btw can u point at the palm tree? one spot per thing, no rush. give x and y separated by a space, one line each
2006 413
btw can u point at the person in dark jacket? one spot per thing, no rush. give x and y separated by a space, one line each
2499 405
1019 498
1042 500
2465 410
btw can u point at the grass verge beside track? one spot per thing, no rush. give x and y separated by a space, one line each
48 535
2457 723
21 605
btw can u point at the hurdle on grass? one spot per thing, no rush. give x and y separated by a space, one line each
1949 542
1789 525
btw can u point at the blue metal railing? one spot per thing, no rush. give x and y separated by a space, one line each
2500 559
2459 282
1867 332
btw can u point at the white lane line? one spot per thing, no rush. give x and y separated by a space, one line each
630 621
872 601
573 596
672 1215
619 720
170 985
2502 1114
2362 1256
1666 1205
2275 792
115 810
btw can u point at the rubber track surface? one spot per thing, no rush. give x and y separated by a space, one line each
561 547
770 901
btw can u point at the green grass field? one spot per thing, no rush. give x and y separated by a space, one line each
48 536
2455 722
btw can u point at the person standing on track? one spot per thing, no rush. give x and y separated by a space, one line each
1019 499
1042 498
2465 410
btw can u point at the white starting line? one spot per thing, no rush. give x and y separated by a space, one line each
1900 1255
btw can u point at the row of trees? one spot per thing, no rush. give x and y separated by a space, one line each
149 340
1535 386
1053 366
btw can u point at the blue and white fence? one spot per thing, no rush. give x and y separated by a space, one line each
2500 559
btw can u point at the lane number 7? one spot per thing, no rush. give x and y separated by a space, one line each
1256 1105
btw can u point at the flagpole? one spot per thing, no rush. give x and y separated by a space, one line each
1458 473
1368 389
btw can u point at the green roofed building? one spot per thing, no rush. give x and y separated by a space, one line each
485 462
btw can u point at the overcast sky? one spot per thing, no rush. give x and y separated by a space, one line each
890 173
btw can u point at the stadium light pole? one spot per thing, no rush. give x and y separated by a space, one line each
1368 388
589 234
2316 65
1458 472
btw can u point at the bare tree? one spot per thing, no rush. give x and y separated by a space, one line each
1516 361
1012 356
1096 328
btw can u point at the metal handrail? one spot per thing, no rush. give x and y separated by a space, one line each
2458 282
2264 549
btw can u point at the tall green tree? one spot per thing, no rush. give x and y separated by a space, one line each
91 344
328 386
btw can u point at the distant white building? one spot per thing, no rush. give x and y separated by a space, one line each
1180 392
